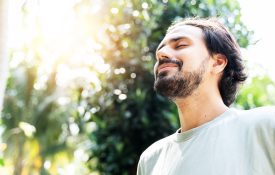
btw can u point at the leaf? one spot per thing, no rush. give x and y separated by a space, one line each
2 163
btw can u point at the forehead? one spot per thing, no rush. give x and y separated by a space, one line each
186 31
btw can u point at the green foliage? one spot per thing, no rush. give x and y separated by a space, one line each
126 126
2 162
32 115
258 91
117 118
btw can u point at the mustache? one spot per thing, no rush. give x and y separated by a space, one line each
179 63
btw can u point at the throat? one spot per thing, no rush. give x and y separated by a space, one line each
193 115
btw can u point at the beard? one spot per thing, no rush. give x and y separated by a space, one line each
180 85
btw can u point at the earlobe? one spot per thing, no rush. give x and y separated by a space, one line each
220 62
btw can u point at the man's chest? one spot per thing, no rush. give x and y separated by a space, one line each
205 156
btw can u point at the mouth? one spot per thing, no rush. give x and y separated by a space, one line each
166 66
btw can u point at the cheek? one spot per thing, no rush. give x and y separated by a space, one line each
192 58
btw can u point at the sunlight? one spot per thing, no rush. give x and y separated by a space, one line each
57 38
53 32
258 17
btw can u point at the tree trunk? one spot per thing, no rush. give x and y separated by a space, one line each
3 49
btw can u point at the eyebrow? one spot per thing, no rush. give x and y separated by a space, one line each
172 40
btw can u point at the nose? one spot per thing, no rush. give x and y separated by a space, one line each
163 53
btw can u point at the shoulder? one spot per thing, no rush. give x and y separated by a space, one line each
154 150
261 116
150 156
259 113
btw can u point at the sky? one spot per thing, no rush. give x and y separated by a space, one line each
259 17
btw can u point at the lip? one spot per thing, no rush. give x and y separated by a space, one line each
166 66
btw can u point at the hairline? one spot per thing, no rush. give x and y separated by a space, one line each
179 37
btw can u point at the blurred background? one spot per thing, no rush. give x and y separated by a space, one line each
78 77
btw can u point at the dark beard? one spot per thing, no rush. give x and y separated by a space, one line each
180 85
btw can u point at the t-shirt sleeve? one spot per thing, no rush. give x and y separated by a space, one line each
140 167
265 129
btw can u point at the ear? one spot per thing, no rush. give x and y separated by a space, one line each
219 63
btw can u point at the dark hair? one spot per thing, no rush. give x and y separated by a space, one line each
218 40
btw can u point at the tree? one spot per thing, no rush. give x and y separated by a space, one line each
32 119
108 109
3 49
39 129
3 57
258 91
128 113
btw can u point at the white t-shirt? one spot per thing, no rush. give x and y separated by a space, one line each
238 142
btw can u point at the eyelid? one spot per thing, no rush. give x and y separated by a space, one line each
181 45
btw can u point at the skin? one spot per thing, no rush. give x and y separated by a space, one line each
186 43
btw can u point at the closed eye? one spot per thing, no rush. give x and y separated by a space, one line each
181 46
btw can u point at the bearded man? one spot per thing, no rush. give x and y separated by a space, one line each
199 67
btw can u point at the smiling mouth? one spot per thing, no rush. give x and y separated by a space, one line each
167 66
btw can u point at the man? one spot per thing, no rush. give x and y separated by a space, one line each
199 67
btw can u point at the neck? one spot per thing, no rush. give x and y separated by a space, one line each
198 109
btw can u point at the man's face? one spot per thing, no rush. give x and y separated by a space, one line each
182 59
